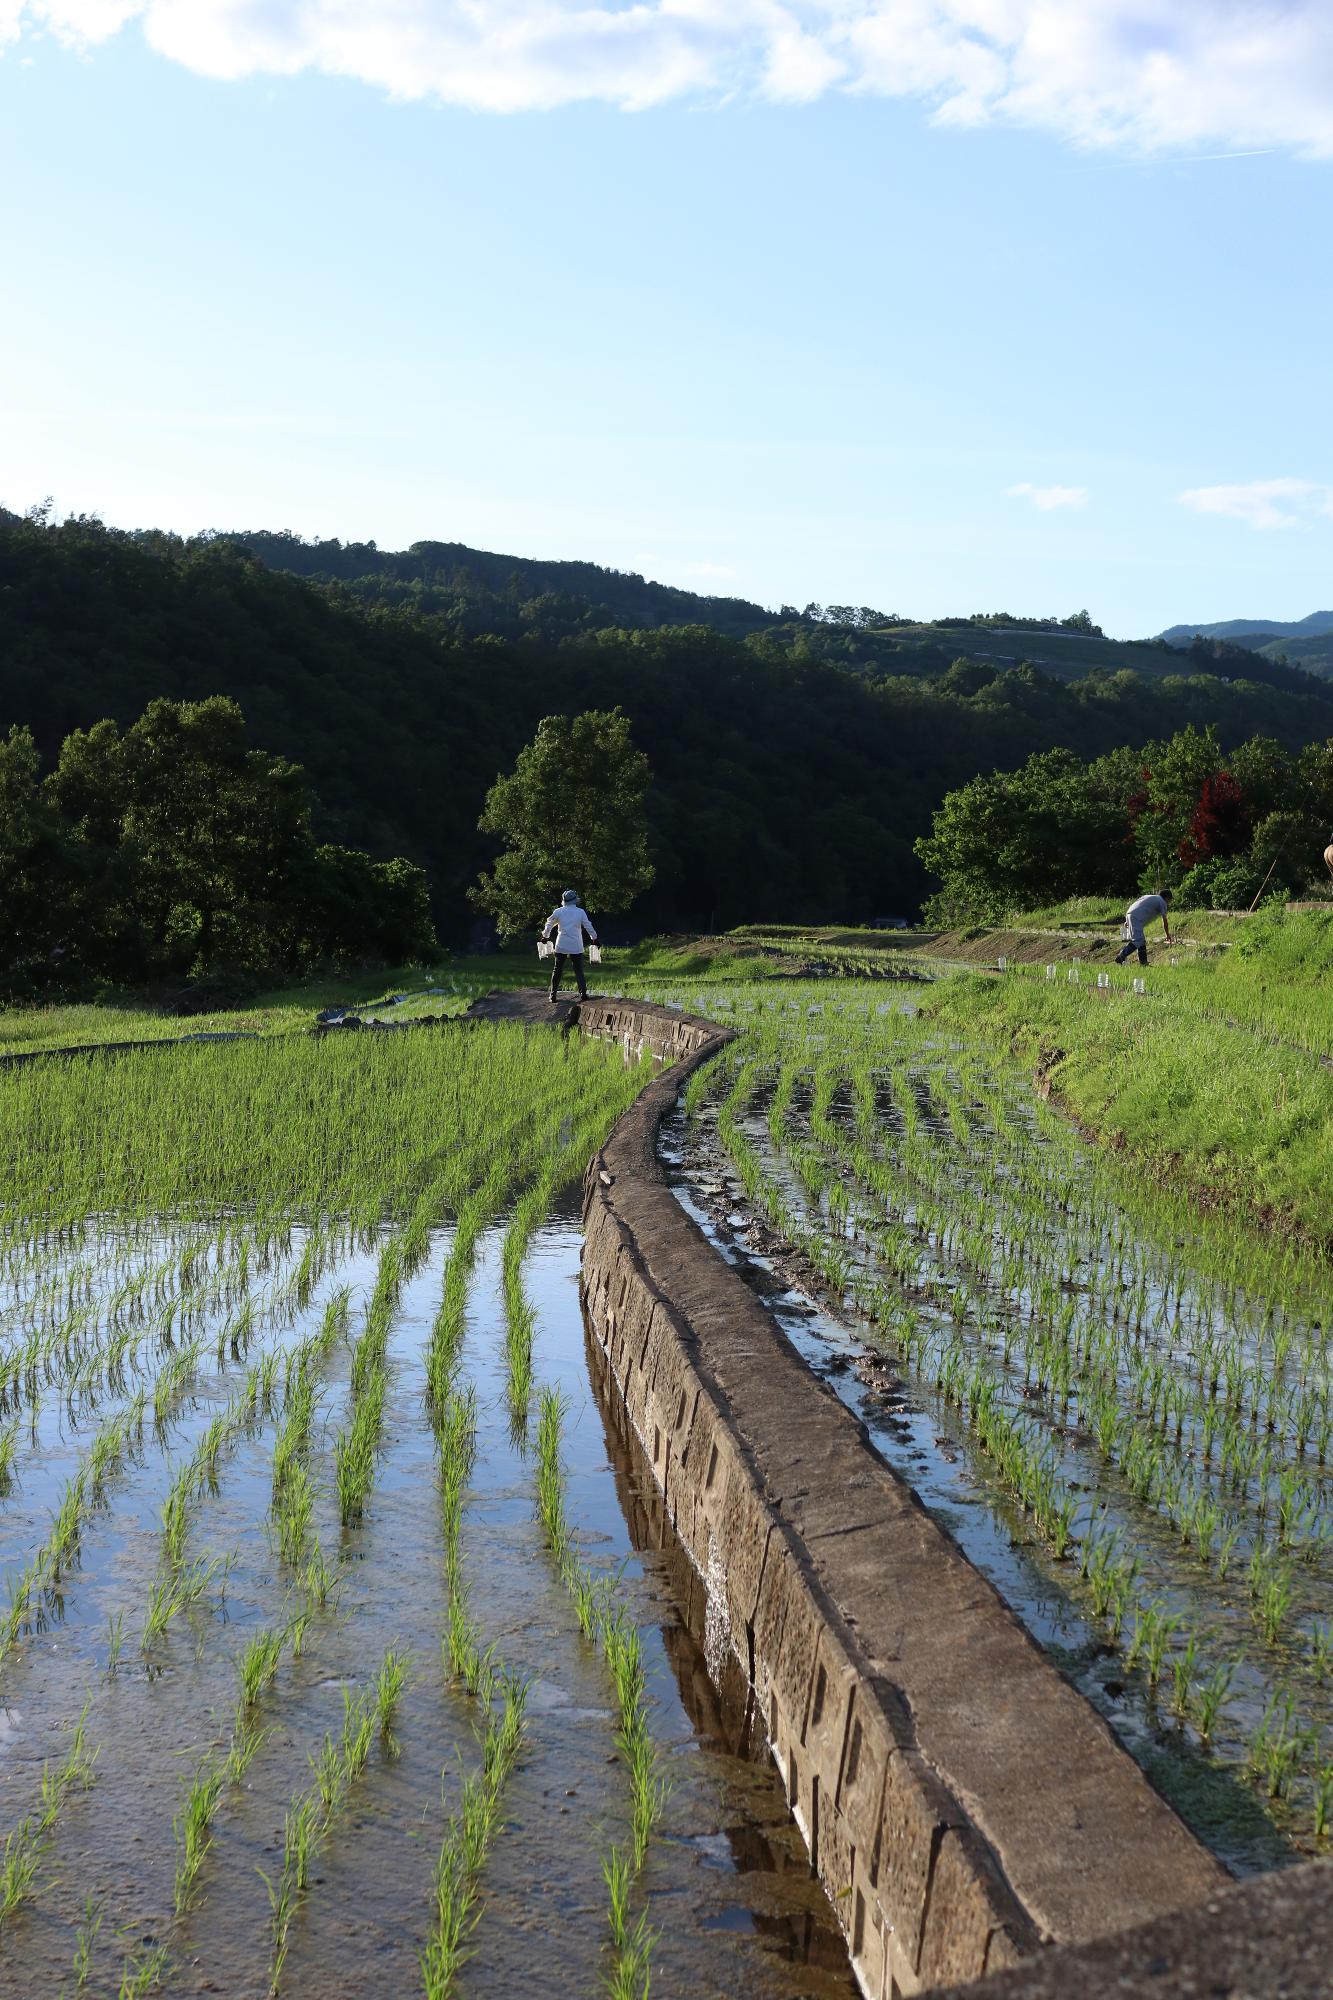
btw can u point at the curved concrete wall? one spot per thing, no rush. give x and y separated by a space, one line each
961 1802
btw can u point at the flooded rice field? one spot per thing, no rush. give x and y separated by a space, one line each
1120 1412
181 1725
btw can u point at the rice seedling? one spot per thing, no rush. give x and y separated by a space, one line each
94 1915
632 1943
337 1765
143 1971
9 1435
1210 1696
607 1625
178 1590
1323 1801
468 1836
193 1830
27 1843
1279 1746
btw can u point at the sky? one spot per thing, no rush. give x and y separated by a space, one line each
938 306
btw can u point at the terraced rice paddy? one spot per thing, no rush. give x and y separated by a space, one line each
1121 1408
330 1661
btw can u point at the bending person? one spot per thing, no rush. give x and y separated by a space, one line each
1145 911
569 924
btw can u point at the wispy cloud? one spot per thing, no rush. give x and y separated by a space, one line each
1049 498
1263 503
1150 75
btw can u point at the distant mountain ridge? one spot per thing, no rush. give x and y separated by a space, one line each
1301 642
461 592
484 590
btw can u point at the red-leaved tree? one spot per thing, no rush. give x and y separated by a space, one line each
1221 823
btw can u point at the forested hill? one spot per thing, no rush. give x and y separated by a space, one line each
1306 643
785 784
460 592
477 591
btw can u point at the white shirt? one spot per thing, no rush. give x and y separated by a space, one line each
569 923
1141 913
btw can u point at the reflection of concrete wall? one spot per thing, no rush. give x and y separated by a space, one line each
962 1804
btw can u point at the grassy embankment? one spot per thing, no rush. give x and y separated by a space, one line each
1217 1077
285 1010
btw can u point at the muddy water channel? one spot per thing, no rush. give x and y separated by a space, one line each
1123 1422
726 1886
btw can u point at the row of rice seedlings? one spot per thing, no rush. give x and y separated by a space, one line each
585 1106
292 1509
9 1437
356 1449
27 1843
256 1669
607 1625
530 1212
468 1836
314 1812
501 1697
245 1409
37 1587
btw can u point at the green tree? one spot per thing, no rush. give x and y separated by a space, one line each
34 903
571 813
1016 839
186 853
200 839
358 910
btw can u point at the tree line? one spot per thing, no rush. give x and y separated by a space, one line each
1220 827
173 851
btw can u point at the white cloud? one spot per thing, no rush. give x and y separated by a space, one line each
1149 75
1049 498
1263 503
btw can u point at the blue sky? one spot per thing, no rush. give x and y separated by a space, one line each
932 339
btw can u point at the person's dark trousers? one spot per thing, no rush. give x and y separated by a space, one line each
575 958
1126 951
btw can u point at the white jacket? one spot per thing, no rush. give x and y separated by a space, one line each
569 923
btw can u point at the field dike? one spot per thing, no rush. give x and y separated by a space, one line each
961 1802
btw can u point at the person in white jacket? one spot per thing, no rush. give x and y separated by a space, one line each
569 924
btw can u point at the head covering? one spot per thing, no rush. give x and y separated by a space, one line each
570 896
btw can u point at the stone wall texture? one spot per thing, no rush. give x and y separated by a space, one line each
962 1803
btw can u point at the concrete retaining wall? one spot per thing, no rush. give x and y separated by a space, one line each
963 1805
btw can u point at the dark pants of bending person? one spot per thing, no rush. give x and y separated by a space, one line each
1138 945
574 958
